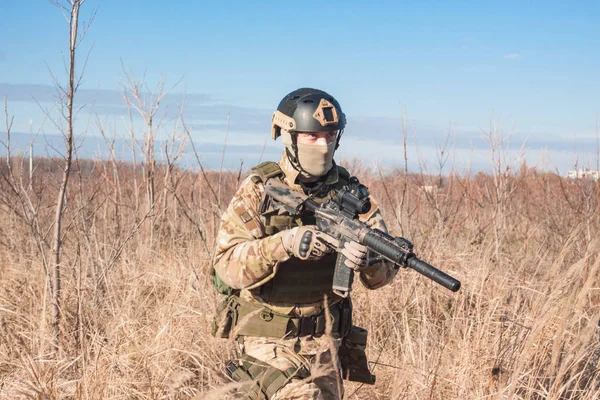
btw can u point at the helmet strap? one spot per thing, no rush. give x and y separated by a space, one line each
295 158
339 136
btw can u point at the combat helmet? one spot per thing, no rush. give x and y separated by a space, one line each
308 110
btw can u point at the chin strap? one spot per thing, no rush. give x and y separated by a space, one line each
339 136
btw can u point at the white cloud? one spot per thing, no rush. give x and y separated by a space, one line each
512 56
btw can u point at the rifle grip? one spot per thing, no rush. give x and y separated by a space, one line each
342 277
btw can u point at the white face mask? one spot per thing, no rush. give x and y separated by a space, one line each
315 159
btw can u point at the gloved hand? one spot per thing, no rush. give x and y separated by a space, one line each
356 255
305 242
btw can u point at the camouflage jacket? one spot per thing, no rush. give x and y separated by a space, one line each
246 257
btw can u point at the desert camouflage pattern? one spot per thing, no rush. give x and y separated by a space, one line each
310 353
246 257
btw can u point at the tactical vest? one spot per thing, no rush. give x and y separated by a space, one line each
296 281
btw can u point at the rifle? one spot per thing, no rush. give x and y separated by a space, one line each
338 217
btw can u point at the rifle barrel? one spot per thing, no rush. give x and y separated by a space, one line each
380 243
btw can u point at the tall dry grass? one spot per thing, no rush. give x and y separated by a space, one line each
137 300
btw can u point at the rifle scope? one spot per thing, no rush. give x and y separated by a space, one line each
355 198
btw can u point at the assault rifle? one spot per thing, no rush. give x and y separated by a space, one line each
338 217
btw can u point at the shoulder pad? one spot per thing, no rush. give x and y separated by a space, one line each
265 171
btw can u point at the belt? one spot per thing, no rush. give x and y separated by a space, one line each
257 320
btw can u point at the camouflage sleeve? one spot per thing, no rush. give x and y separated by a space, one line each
383 272
244 256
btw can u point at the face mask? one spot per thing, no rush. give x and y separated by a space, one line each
314 159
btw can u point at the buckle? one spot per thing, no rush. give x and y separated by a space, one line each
230 368
266 315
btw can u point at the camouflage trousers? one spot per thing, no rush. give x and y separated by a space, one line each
317 355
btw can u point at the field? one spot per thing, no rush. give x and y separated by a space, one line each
137 302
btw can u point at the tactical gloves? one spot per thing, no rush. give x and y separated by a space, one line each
305 242
356 255
308 243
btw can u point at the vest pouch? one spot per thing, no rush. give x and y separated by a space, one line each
353 358
223 320
256 320
219 284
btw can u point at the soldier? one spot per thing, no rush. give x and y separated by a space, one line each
278 295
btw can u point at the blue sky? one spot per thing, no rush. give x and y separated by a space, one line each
535 66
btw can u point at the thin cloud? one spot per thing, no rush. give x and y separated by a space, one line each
48 93
513 56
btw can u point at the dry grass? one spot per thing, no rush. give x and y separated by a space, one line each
137 302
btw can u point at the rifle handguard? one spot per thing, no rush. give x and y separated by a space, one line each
391 251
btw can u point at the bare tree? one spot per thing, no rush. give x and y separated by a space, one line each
502 183
146 102
70 9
